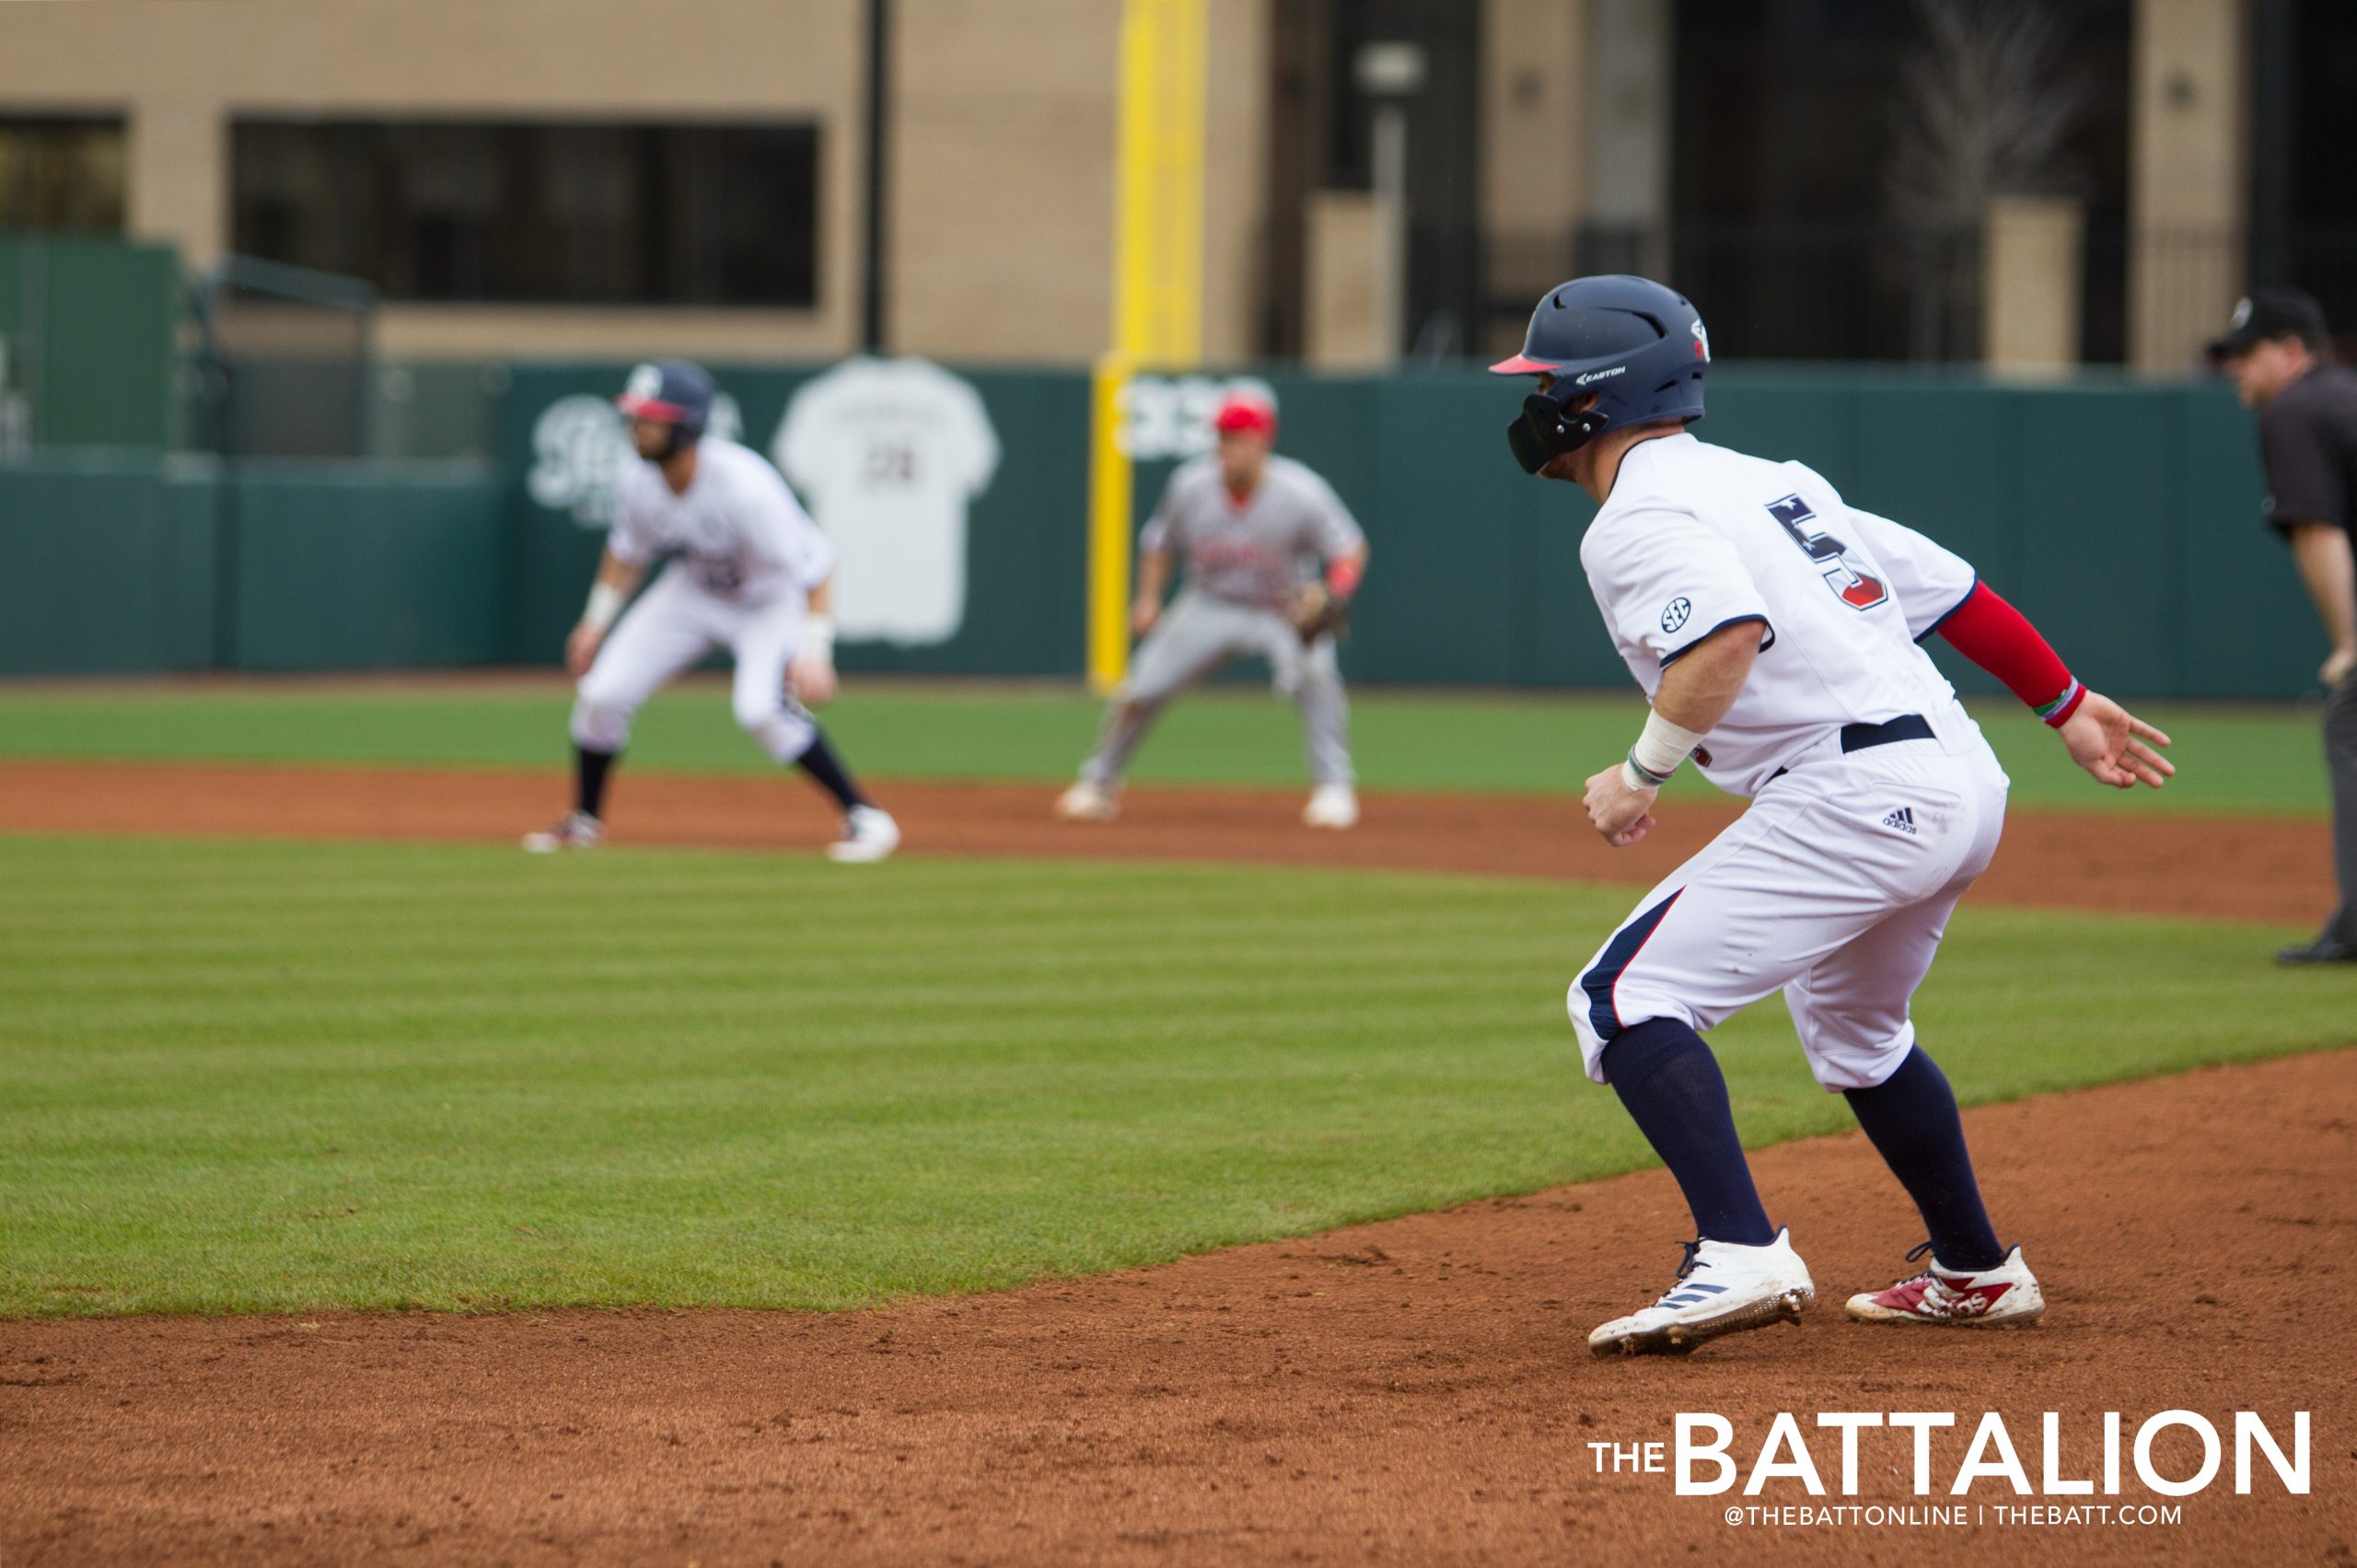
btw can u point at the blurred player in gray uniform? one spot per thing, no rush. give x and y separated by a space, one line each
742 567
1272 559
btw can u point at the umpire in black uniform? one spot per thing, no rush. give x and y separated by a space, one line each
2280 358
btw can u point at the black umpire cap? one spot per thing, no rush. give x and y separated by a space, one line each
2275 311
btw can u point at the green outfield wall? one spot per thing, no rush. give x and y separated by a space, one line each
116 564
2124 517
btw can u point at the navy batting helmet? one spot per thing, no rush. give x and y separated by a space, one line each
672 392
1638 346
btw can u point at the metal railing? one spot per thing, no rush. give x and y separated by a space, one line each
285 361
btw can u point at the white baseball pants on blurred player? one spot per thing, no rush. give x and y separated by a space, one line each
1836 886
677 622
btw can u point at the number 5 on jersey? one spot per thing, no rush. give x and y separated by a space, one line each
1856 588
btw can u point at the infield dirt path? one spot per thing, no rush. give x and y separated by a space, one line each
2151 862
1416 1391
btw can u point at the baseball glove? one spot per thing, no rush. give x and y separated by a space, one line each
1318 613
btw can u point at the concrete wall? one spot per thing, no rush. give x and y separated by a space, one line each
999 227
2188 188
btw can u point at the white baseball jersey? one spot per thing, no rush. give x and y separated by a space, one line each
738 532
1696 538
891 451
1258 550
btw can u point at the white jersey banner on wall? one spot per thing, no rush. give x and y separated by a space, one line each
887 453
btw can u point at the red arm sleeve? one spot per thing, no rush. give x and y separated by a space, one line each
1998 638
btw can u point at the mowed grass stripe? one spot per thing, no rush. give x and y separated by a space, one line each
2260 759
274 1076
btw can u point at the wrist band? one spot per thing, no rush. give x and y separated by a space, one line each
2058 712
1661 747
1634 775
605 603
819 638
1343 579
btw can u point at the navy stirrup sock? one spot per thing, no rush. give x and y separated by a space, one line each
827 771
589 780
1911 1119
1673 1089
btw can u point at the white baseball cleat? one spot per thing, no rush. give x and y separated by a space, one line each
869 835
575 829
1721 1289
1332 806
1088 801
1993 1298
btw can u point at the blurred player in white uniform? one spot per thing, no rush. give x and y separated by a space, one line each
748 571
1272 559
1774 629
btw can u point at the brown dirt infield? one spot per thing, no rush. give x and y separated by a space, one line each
2220 868
1415 1390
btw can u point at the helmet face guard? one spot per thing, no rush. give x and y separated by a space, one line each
1547 429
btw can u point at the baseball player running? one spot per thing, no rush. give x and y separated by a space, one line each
1252 527
748 571
1775 630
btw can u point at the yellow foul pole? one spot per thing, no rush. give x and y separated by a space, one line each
1158 285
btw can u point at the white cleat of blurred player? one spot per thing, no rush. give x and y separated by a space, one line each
575 829
869 835
1721 1289
1332 806
1088 801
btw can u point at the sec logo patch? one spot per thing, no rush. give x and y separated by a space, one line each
1675 614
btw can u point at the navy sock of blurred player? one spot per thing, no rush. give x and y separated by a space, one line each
823 766
589 780
1674 1090
1910 1117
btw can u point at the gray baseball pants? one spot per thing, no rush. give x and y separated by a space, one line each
1195 636
2341 758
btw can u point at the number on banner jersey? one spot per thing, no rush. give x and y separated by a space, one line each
1695 540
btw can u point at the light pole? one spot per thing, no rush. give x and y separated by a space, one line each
1390 73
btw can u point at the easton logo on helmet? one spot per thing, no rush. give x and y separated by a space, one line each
1599 375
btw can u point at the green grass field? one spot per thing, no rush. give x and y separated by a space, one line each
287 1076
2254 760
280 1076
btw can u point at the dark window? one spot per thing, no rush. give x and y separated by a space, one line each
62 173
1795 224
552 213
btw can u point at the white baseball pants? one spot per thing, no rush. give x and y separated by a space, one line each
673 625
1836 886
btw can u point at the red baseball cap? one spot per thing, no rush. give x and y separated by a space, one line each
1243 411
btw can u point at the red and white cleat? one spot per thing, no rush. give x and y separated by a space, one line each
1993 1298
575 829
